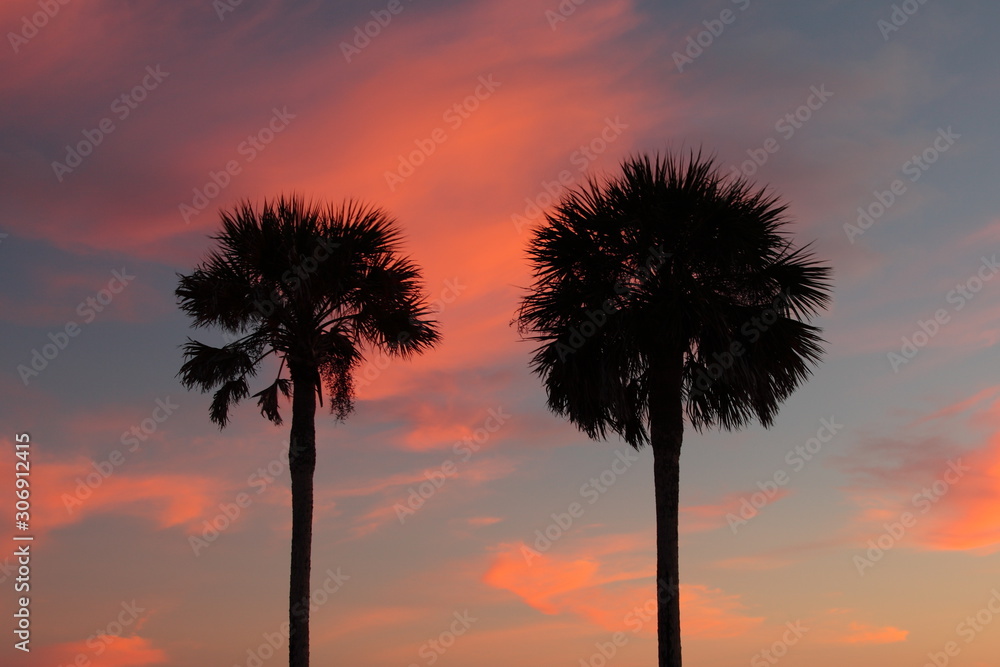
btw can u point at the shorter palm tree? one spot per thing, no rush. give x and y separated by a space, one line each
663 292
310 284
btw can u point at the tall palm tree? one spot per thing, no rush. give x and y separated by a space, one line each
670 290
312 285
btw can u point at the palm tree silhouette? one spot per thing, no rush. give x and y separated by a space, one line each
311 285
667 291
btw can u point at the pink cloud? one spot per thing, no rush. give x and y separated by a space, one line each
531 113
951 494
711 516
385 501
365 620
117 651
839 626
479 521
69 492
611 590
961 406
861 633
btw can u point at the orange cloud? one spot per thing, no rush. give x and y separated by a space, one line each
967 512
542 580
534 118
612 593
961 406
709 613
834 628
701 518
65 493
952 495
116 651
361 621
404 494
478 521
861 633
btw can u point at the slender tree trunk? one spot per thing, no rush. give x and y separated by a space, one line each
302 464
666 433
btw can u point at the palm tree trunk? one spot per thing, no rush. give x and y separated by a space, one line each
666 434
302 464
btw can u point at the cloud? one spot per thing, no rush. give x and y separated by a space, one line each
961 406
710 613
479 521
375 503
712 516
838 626
861 633
365 621
374 109
952 492
69 492
114 651
608 588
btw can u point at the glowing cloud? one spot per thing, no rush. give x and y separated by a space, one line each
612 596
115 652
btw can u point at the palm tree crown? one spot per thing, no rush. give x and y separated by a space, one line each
670 260
309 284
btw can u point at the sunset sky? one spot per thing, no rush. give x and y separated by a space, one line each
863 528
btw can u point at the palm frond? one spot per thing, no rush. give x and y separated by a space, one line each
268 399
228 395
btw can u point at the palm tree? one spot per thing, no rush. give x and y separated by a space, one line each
310 284
667 291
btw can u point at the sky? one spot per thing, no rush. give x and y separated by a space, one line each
457 521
